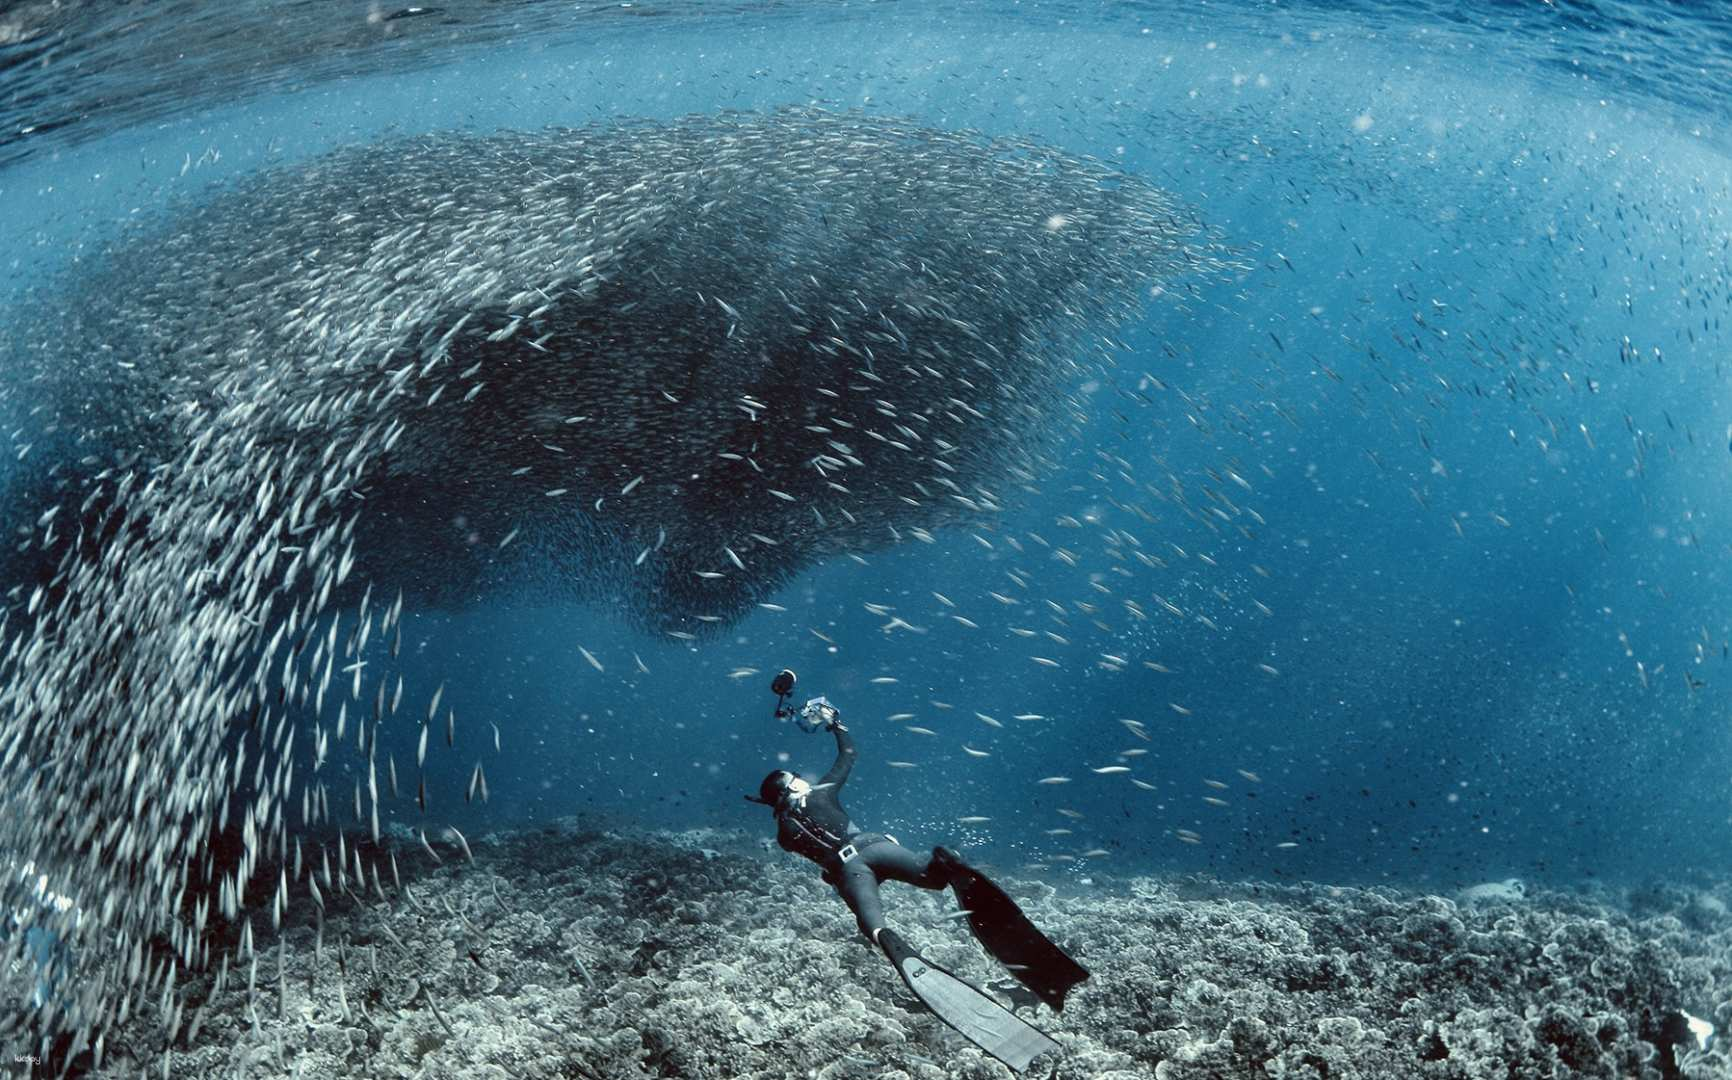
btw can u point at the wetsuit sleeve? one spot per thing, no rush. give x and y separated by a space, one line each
838 774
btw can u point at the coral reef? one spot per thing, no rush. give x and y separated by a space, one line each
564 952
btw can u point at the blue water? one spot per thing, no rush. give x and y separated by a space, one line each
1489 539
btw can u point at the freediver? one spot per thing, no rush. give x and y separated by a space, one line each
810 821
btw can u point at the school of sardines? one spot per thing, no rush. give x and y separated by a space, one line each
664 365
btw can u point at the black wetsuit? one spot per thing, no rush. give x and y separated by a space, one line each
853 861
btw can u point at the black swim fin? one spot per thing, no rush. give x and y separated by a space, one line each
974 1014
1005 932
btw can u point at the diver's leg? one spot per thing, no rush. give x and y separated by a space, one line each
859 887
897 863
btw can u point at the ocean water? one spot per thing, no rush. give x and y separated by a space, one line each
1394 555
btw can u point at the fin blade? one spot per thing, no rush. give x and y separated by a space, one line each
966 1008
1005 932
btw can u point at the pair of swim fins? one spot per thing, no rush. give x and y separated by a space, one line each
1014 941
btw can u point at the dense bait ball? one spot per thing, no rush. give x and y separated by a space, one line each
663 366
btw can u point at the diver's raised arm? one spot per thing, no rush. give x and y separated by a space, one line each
845 754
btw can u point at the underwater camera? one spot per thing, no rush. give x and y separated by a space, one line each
816 715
